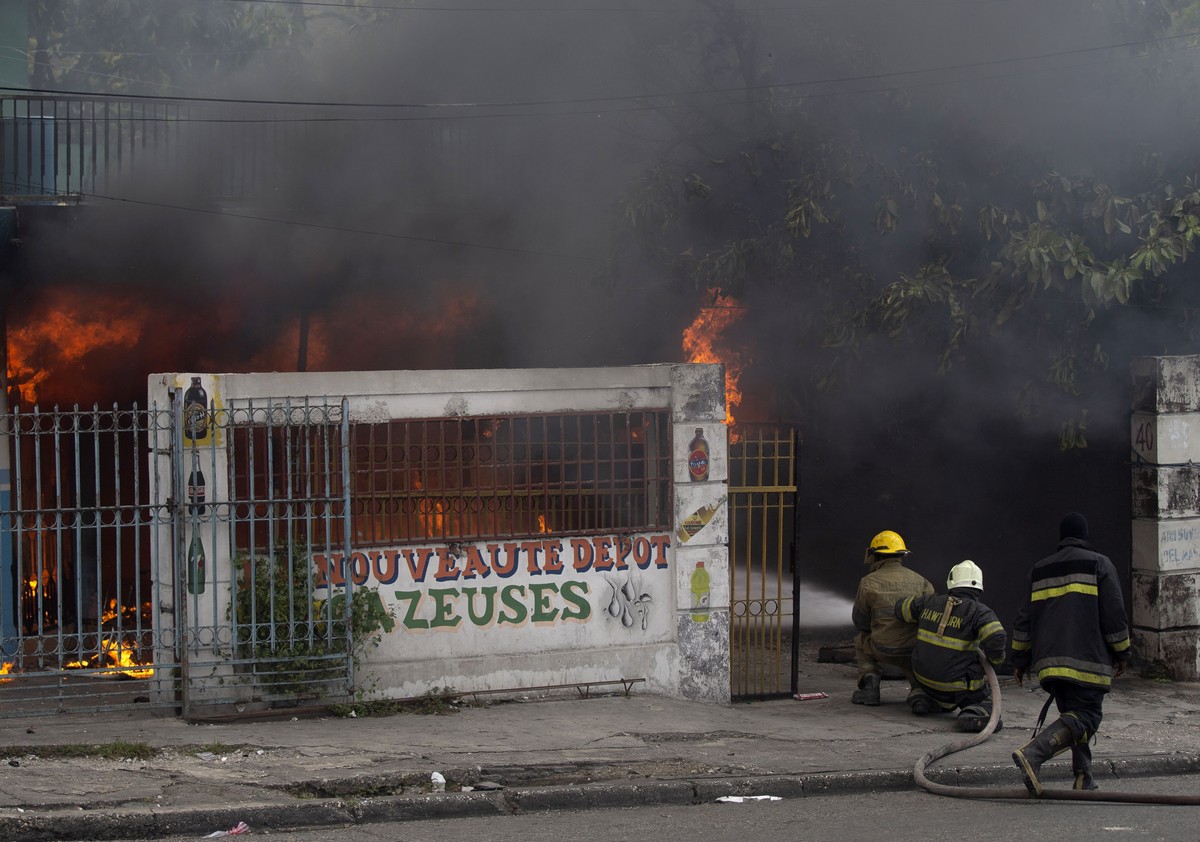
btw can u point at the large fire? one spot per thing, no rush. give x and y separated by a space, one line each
69 326
95 344
704 342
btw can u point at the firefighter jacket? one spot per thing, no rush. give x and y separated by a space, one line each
874 611
950 628
1072 626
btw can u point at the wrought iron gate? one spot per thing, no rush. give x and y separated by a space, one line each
110 521
764 609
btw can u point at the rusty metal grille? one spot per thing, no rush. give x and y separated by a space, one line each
509 476
77 623
285 476
763 608
287 502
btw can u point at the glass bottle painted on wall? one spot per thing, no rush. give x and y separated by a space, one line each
195 411
196 563
698 457
698 519
196 491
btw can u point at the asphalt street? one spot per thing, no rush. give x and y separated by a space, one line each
538 754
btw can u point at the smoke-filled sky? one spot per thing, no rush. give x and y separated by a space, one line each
446 200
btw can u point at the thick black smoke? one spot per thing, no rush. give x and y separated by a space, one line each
446 199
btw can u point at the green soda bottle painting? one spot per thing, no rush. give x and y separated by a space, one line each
195 563
700 593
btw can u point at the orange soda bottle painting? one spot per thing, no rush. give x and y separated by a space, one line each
698 457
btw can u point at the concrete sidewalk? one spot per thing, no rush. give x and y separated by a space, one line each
538 754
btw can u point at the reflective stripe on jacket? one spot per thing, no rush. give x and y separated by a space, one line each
1072 626
944 658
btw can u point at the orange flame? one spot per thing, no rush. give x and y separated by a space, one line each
5 669
110 614
432 515
68 326
122 655
702 343
118 657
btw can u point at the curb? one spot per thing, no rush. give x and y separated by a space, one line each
157 823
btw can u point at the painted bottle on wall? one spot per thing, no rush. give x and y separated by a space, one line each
698 457
700 597
195 411
196 563
195 486
697 520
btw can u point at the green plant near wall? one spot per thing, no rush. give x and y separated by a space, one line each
297 641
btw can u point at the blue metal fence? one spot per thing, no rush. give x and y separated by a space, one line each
104 602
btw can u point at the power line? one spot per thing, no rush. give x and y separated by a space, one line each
524 9
625 10
339 229
782 86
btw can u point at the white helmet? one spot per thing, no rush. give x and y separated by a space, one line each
965 574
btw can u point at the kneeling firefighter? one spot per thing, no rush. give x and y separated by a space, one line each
883 640
951 626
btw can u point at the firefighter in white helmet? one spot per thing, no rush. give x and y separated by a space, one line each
882 639
951 627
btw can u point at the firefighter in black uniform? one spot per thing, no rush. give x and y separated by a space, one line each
1072 634
951 628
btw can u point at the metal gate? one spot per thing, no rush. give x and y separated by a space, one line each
764 608
159 558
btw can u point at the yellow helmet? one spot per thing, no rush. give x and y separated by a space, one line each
887 543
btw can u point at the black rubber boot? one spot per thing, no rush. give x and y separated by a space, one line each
867 692
920 702
974 719
1053 740
1081 765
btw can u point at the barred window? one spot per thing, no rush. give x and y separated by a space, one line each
509 476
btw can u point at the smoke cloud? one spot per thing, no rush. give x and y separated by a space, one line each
446 199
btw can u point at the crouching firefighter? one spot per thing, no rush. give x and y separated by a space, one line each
883 640
951 628
1072 634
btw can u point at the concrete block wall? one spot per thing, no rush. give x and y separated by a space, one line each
702 631
1165 438
679 646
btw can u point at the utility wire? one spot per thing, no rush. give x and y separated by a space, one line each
346 230
628 109
782 86
624 10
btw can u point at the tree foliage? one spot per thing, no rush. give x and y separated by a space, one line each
899 219
168 47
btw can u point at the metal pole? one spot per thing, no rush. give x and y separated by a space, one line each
347 523
795 483
179 551
8 577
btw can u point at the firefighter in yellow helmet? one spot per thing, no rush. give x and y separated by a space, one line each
883 639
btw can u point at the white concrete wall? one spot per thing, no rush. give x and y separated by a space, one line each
551 620
1165 439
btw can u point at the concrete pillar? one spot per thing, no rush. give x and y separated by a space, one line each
701 535
1165 435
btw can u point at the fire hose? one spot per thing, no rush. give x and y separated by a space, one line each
1047 794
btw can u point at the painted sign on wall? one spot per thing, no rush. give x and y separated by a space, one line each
523 594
